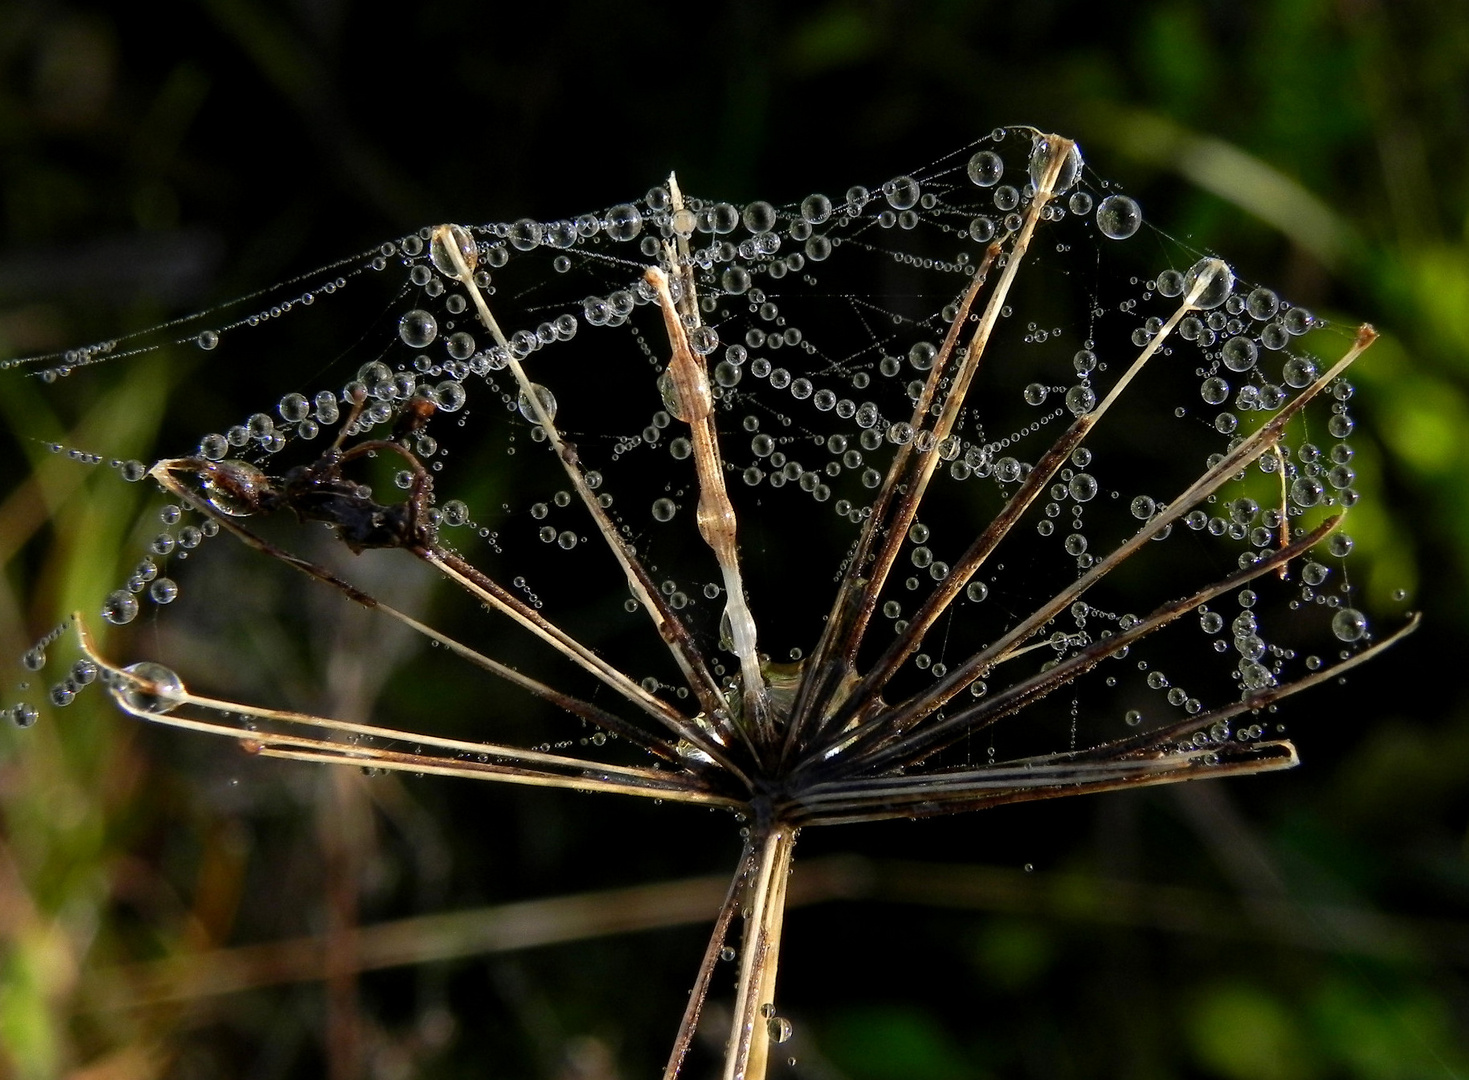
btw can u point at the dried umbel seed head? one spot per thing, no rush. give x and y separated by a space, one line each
942 495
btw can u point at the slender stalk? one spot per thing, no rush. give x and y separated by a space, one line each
477 584
1040 477
822 669
936 736
748 1051
1153 757
693 402
1250 448
897 530
674 634
147 700
700 992
1033 781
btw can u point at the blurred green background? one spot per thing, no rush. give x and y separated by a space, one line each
158 158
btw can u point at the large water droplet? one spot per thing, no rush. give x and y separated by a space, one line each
439 250
120 607
418 328
985 168
1118 217
153 688
544 397
624 222
1220 282
1349 624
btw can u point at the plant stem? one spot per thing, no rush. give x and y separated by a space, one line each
749 1038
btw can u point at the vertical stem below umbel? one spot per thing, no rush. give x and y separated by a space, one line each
749 1037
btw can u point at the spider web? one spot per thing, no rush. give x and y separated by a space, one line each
819 320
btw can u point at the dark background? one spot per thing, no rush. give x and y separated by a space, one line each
156 159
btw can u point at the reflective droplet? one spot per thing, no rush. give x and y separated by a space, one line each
703 340
439 250
120 607
985 168
418 328
460 345
1220 282
815 209
1118 217
235 487
544 397
525 234
1080 399
153 688
664 509
1040 159
450 395
624 222
759 217
1239 353
1349 624
901 193
922 355
163 590
1262 304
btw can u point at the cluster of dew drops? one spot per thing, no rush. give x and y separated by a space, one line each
747 261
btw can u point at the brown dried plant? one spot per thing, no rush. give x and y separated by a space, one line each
869 725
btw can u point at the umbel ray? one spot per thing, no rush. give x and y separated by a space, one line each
868 725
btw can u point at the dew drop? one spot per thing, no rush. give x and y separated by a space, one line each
120 607
1239 353
1118 217
418 328
815 209
901 193
439 249
544 397
163 590
1349 624
1220 282
624 222
161 697
985 168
